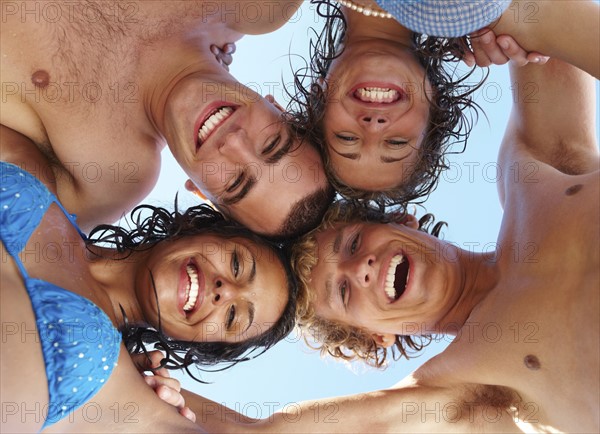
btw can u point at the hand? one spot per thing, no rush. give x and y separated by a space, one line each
224 54
168 389
487 49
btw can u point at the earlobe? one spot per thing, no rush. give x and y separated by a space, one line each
410 221
191 187
271 99
405 219
385 340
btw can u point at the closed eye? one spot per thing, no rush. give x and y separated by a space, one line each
282 151
230 317
396 142
236 183
343 292
267 150
354 244
346 138
235 264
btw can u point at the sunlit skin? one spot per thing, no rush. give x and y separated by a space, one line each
129 127
242 288
247 157
349 278
374 146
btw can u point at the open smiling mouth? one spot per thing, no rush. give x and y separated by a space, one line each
377 95
192 289
397 277
214 119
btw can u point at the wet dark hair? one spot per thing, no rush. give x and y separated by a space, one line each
449 123
153 225
335 338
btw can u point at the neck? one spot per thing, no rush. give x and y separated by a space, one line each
478 276
161 73
116 278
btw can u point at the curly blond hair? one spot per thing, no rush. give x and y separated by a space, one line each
333 337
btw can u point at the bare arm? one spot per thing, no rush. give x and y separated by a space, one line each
552 120
563 29
409 409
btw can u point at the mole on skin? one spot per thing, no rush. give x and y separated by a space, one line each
574 189
532 362
40 78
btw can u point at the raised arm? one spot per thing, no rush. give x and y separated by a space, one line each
562 29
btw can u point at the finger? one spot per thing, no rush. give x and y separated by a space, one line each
148 361
154 360
535 57
515 53
488 50
227 59
469 59
229 48
188 413
478 46
464 52
155 381
170 396
215 50
222 63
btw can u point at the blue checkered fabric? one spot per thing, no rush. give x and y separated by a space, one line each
445 18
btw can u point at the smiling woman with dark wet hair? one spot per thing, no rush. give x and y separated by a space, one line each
383 133
163 226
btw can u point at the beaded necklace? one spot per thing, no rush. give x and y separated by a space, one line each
364 9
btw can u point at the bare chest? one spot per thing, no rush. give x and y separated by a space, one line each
539 338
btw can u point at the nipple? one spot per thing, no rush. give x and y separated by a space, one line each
532 362
40 78
574 189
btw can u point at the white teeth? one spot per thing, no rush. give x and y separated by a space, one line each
215 119
191 293
377 94
390 277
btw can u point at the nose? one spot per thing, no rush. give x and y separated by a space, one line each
362 269
224 292
373 121
235 143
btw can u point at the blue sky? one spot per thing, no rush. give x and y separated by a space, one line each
466 198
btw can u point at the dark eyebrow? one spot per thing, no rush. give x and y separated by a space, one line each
281 152
252 271
242 193
251 311
352 156
385 159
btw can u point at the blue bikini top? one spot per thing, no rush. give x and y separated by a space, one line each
79 342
